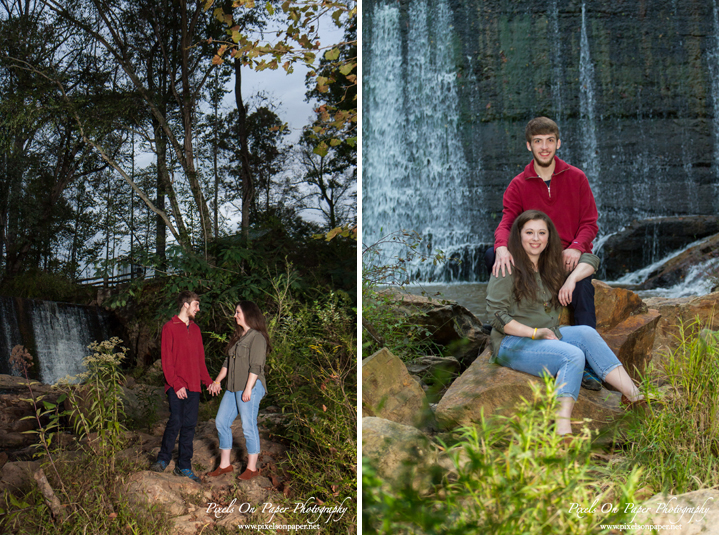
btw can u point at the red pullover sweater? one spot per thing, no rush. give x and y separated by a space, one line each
183 356
568 202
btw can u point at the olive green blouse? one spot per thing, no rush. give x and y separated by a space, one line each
502 307
245 357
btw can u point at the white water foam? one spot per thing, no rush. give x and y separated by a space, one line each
587 110
699 281
639 276
415 169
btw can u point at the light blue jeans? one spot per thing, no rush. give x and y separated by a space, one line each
563 359
232 405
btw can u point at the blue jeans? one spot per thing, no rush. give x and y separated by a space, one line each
563 359
183 419
232 405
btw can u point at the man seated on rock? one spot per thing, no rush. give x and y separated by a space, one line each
183 364
562 192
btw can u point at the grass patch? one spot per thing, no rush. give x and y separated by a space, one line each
678 442
511 475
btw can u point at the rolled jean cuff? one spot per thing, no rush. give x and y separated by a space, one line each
609 370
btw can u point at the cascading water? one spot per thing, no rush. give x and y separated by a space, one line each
557 72
449 86
415 171
56 334
587 107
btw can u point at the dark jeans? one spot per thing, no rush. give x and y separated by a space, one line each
582 299
183 419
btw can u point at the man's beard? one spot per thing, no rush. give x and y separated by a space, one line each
542 164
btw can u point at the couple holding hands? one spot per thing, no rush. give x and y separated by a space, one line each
183 364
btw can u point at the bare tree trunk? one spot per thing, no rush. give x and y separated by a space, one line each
246 173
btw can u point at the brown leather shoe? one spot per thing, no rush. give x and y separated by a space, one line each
221 471
249 474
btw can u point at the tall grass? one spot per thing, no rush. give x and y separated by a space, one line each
678 441
513 475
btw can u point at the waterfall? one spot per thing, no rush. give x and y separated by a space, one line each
385 188
590 156
415 169
56 334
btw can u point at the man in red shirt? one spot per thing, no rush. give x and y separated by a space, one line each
562 192
183 363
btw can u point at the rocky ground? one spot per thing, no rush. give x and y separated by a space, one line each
191 505
405 405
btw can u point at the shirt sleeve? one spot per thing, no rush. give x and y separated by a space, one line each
168 357
499 301
204 374
512 204
588 228
589 258
258 353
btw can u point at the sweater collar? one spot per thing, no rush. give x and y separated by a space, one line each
559 167
176 319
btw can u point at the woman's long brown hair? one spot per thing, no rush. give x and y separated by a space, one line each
254 319
550 261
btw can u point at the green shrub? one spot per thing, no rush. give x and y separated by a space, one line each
382 325
312 375
513 475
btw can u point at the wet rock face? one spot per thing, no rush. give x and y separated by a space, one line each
631 85
702 256
646 241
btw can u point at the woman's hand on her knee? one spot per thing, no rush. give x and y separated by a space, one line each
545 334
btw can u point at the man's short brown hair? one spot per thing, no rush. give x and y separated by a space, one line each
186 296
540 126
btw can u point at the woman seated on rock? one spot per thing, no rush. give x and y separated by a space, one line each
524 308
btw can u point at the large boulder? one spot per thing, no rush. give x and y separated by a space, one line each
164 489
632 341
491 388
388 390
399 453
625 323
436 374
614 305
645 241
449 324
682 310
692 513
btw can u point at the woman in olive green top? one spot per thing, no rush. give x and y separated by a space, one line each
524 307
245 371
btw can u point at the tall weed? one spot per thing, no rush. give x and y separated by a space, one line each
678 440
513 475
312 378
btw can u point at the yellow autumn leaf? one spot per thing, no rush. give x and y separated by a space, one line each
332 55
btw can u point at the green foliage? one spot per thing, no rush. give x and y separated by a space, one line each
385 326
97 407
36 284
513 475
312 378
678 440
